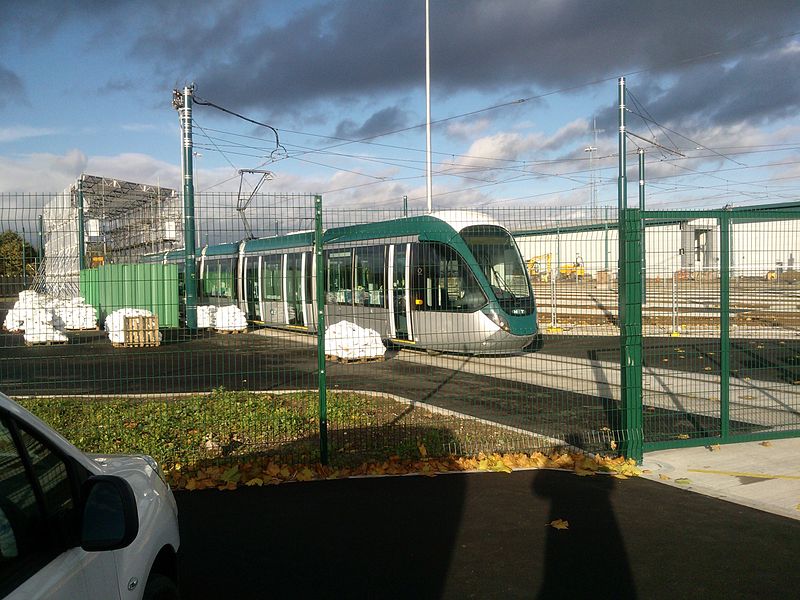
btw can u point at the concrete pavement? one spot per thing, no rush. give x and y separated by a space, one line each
761 475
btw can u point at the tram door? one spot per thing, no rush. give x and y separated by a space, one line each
294 289
400 291
251 287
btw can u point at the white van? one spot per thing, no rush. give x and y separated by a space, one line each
79 526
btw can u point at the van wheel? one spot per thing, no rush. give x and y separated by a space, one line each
160 587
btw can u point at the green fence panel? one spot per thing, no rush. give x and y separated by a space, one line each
708 352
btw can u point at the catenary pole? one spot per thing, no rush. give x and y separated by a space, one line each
183 102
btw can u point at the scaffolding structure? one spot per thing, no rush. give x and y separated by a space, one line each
121 221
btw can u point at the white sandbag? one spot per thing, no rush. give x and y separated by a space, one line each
115 323
76 314
229 318
39 332
206 316
348 341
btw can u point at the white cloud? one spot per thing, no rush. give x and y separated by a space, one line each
49 173
467 130
40 173
21 132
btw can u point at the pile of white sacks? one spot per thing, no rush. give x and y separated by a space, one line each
44 319
115 323
221 318
348 341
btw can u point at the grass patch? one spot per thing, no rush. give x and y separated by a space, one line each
234 426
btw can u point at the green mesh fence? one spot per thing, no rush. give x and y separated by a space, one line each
433 343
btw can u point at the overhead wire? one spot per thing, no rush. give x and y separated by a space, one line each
369 139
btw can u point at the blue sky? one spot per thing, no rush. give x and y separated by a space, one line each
86 86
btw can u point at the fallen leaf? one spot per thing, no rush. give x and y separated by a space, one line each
766 444
559 524
683 481
255 481
663 477
423 451
683 436
613 445
305 474
714 448
232 475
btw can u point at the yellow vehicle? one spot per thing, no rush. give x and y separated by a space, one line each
535 270
574 270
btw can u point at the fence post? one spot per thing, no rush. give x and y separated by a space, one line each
724 326
320 275
630 304
81 246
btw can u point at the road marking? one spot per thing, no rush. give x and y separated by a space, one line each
738 474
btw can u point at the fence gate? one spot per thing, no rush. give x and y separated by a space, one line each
720 326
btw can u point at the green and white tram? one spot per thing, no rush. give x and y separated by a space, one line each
451 281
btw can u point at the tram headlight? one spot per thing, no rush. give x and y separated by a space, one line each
498 320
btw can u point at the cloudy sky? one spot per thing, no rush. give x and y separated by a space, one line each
520 90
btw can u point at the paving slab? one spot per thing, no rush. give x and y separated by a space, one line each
762 475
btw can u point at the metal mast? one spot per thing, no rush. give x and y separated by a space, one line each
183 103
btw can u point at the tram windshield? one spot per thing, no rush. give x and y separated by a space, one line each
498 257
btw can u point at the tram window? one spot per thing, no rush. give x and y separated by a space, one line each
370 263
218 279
339 281
271 280
444 281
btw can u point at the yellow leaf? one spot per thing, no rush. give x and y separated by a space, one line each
714 448
255 481
683 481
663 477
613 445
559 524
767 444
683 436
423 452
305 474
500 467
177 466
191 485
620 476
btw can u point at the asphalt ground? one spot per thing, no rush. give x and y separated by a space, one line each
482 536
90 366
763 359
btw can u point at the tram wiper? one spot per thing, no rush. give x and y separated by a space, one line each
503 287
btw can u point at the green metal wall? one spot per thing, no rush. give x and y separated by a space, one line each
152 287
